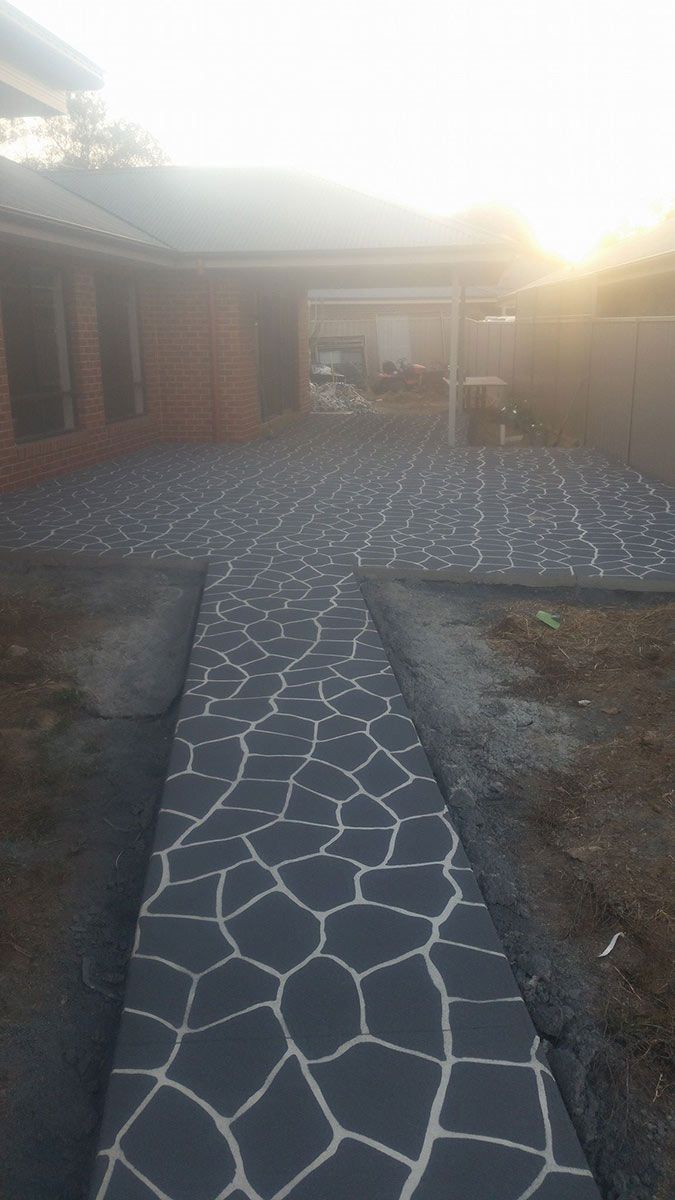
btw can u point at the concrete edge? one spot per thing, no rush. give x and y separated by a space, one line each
25 559
519 577
619 584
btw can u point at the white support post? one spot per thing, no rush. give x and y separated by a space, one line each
454 386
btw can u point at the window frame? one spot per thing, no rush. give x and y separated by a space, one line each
124 291
27 275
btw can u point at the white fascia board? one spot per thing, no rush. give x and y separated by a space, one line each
52 100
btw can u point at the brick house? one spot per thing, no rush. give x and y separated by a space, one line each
170 303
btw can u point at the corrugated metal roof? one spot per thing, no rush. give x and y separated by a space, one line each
241 210
30 194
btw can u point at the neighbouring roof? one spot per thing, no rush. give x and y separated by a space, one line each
245 211
29 196
639 250
37 51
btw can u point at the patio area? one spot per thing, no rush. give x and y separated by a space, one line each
365 490
318 1007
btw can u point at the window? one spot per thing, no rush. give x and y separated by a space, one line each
346 355
120 347
36 347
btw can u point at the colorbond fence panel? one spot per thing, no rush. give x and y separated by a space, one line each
652 438
488 348
610 389
523 386
607 382
545 350
572 377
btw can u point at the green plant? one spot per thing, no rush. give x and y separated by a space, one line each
519 415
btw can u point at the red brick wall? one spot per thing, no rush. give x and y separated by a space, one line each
198 337
204 331
6 432
177 324
234 314
93 440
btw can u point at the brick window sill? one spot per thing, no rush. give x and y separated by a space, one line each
54 441
72 438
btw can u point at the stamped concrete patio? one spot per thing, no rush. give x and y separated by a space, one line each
318 1007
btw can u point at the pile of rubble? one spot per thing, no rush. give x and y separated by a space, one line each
339 397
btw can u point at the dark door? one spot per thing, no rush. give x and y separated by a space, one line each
277 352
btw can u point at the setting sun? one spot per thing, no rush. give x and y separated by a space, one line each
562 111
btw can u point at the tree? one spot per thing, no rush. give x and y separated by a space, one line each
86 137
11 129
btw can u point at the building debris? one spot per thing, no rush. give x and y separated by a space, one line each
610 946
339 397
547 618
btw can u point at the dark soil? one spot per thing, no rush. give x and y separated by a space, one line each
565 810
78 794
611 810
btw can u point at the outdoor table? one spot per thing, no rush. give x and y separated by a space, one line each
484 391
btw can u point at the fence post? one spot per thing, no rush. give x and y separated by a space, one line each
454 386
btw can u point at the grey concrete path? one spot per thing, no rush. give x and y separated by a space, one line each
318 1007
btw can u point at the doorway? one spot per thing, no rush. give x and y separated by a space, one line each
277 353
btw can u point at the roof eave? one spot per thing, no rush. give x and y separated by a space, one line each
35 49
436 255
434 302
23 227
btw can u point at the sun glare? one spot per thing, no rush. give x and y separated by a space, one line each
560 111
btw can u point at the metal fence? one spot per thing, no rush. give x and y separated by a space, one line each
605 382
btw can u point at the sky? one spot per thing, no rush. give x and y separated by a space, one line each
560 110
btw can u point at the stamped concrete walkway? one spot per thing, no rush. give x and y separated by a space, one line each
318 1007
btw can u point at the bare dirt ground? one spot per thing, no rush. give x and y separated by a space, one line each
609 813
411 402
565 809
85 731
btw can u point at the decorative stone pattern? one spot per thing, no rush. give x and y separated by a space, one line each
318 1007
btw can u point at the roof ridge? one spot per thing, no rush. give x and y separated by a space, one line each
46 172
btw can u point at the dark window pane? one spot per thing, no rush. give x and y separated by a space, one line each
119 348
36 350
